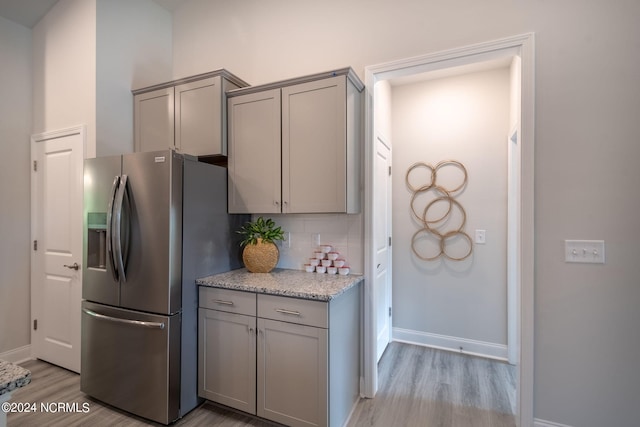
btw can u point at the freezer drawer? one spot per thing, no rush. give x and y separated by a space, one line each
131 360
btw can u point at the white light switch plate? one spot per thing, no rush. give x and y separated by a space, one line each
584 251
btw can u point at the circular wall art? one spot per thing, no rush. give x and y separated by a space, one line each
437 217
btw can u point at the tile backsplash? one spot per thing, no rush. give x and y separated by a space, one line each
344 232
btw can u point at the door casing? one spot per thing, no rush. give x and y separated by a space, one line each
522 47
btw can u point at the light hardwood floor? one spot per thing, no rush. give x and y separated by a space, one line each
418 386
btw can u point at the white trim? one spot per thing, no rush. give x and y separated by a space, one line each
537 422
445 342
60 133
17 355
522 46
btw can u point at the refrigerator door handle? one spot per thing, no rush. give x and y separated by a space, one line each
153 325
109 236
117 227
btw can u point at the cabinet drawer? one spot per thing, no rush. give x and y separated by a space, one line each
293 310
228 300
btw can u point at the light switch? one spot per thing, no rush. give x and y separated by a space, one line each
584 251
481 237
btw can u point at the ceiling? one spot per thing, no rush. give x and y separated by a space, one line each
29 12
25 12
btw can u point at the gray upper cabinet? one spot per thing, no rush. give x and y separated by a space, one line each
153 120
187 114
294 146
254 160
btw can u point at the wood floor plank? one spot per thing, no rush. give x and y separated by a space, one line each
418 386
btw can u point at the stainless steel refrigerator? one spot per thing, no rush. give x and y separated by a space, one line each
154 222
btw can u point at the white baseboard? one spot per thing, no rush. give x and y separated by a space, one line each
17 355
537 422
444 342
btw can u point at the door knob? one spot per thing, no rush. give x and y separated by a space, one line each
75 266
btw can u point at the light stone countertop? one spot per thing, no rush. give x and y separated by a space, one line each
290 283
12 376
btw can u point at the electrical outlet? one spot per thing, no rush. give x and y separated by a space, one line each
584 251
287 240
315 240
481 237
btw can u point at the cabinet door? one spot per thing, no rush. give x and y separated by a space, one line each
198 116
314 153
254 153
227 359
292 373
153 117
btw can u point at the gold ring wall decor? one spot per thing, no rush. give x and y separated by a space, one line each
433 225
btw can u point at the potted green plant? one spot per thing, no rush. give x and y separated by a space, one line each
260 253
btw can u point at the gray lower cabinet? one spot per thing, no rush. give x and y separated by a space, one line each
227 348
305 356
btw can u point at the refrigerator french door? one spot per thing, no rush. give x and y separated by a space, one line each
135 200
154 222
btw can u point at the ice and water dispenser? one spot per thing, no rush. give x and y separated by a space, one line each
97 240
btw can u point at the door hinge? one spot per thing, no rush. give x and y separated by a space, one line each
35 245
35 165
389 311
389 170
35 324
389 241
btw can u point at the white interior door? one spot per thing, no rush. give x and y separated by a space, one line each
382 244
56 229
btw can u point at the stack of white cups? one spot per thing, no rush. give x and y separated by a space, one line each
326 260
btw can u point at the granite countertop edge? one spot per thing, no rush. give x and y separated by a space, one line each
12 377
284 282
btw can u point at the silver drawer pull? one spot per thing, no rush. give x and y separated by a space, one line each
219 301
291 312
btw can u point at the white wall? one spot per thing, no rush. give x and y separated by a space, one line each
64 69
15 129
88 55
463 118
586 174
133 42
49 81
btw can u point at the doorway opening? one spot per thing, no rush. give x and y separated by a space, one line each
518 51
